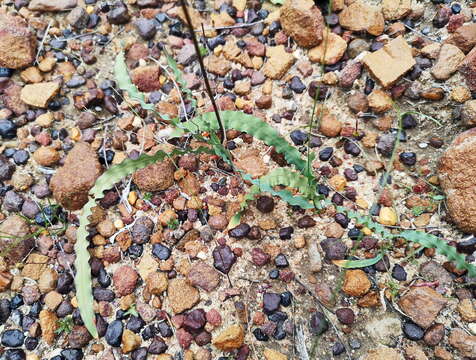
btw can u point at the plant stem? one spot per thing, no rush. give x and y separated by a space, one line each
316 96
202 68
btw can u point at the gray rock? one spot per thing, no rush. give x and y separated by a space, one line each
187 55
12 201
357 47
119 14
6 168
146 28
78 18
385 144
52 5
30 209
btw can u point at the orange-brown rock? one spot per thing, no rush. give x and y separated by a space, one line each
230 339
464 343
422 305
330 125
14 241
71 183
303 21
17 42
155 177
356 283
146 78
464 37
457 175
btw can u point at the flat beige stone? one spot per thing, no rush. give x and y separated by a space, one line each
330 50
360 16
278 63
40 94
391 62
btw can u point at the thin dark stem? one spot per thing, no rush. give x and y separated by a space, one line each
202 68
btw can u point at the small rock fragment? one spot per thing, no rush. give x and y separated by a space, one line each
449 59
422 305
278 63
230 339
356 283
303 21
40 94
361 16
391 62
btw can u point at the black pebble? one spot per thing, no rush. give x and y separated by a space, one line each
260 335
160 251
281 261
72 354
114 333
413 331
399 273
14 354
286 298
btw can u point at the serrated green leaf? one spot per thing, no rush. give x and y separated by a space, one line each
286 177
441 246
353 264
249 124
125 84
113 175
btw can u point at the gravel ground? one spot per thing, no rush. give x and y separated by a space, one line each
171 279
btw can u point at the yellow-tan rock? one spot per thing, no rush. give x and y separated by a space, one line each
48 324
182 296
391 62
361 16
278 63
40 94
396 9
270 354
330 50
130 341
230 339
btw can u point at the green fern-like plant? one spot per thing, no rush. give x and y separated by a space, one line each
124 83
431 241
266 183
246 123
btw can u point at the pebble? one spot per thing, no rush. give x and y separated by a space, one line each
345 316
271 302
240 231
114 333
12 338
281 261
142 230
265 204
413 331
160 251
14 354
146 28
399 273
8 129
